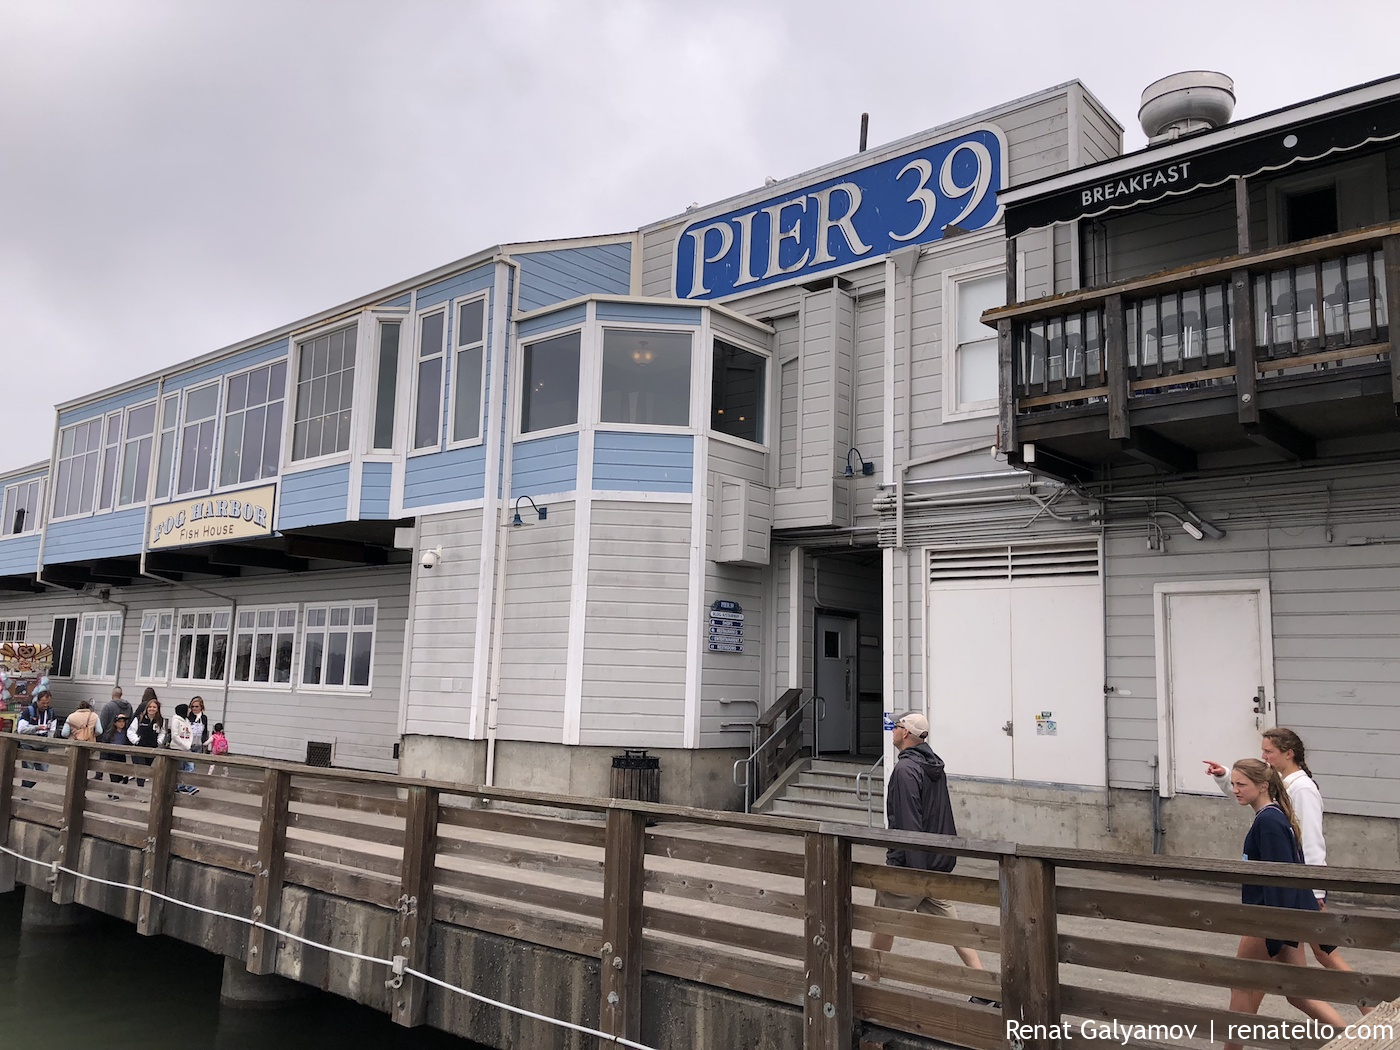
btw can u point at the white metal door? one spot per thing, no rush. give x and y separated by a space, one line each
969 671
836 683
1215 678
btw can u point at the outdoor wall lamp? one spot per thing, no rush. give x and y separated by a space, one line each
543 512
866 467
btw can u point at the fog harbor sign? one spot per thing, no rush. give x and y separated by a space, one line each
862 214
242 515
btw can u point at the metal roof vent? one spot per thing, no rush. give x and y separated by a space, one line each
1185 103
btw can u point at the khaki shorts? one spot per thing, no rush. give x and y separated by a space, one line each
926 905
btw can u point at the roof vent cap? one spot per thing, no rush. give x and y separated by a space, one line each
1186 103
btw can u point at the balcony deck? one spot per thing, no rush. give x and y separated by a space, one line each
1280 349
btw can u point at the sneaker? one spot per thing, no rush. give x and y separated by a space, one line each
193 790
984 1002
114 798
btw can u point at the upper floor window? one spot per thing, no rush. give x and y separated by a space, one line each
386 386
738 392
646 377
79 456
165 453
468 365
325 392
136 454
427 414
197 439
21 507
970 349
549 383
111 447
253 424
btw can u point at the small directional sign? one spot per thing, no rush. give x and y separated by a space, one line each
726 631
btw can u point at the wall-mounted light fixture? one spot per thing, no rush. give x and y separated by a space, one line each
866 467
543 512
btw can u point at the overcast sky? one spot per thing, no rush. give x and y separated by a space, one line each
178 175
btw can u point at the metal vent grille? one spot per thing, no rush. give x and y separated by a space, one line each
319 753
1014 561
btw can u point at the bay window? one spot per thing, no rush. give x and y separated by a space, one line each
738 392
325 392
549 383
646 377
252 447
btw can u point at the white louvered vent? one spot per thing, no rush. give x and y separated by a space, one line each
1016 561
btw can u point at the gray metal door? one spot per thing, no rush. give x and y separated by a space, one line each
836 679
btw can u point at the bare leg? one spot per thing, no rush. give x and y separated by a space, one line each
879 942
1241 1000
1333 960
1314 1008
969 958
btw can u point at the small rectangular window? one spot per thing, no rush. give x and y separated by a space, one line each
974 361
646 378
468 363
136 454
253 425
197 439
386 385
14 630
338 646
165 454
738 392
549 383
262 646
325 394
65 636
21 510
79 461
201 649
427 419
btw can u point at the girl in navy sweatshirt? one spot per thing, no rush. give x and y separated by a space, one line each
1274 837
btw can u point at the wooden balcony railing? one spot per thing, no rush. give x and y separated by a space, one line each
1316 306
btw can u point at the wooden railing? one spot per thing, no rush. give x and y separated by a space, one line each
775 908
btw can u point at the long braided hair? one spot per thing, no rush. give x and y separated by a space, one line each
1266 776
1286 740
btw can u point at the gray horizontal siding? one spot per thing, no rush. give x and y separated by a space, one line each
443 648
732 676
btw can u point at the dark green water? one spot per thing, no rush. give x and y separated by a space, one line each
108 988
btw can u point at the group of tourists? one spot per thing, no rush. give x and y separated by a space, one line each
146 726
1287 827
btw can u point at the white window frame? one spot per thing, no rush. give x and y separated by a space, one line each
100 422
952 407
138 494
455 350
307 629
420 361
239 631
36 506
110 462
215 420
289 411
14 629
375 335
195 631
107 626
707 379
698 373
166 434
217 475
152 629
586 384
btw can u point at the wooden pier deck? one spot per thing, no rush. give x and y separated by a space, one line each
773 914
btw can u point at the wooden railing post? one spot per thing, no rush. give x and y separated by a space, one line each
827 1005
1390 254
9 748
624 874
267 881
1242 322
416 904
156 853
1115 359
1030 976
70 828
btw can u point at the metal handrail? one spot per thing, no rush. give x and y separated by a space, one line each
747 763
868 796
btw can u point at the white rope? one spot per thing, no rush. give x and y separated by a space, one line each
390 963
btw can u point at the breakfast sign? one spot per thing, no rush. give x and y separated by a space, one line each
242 515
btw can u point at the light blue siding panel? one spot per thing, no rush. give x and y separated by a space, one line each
19 555
563 319
476 280
375 480
645 313
101 536
228 366
314 497
630 462
567 273
107 404
398 302
544 465
445 477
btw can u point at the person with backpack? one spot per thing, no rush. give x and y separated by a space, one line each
218 743
83 724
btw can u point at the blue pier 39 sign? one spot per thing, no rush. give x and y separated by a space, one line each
862 214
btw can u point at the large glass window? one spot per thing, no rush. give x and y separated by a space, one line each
253 424
549 384
79 456
65 637
111 448
974 351
386 387
467 366
646 378
738 392
136 454
338 646
99 646
202 646
262 645
197 439
157 627
325 393
21 510
165 454
427 418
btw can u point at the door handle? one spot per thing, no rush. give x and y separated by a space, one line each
1007 729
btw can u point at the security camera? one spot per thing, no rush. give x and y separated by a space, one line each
429 558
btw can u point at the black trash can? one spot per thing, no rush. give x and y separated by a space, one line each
636 776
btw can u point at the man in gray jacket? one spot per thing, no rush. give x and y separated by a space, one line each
916 799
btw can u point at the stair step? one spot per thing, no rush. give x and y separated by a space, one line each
819 793
820 811
849 769
808 778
